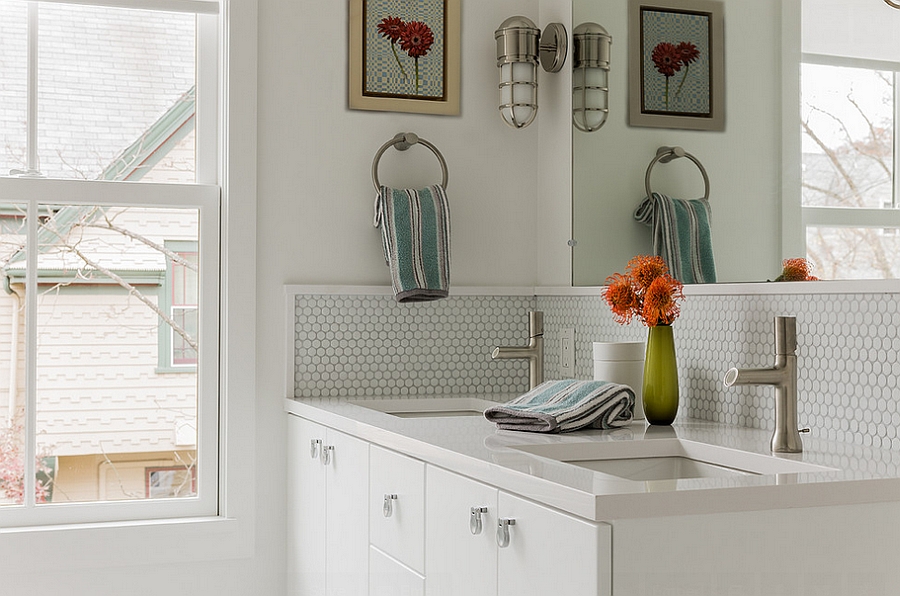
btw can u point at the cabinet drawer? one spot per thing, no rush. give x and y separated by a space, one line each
397 506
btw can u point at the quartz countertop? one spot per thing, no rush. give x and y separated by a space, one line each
473 447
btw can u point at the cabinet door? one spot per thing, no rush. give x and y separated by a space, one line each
552 553
305 509
460 556
387 577
346 515
397 506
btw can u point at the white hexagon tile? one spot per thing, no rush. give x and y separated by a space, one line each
848 352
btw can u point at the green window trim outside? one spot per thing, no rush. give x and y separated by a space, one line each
165 343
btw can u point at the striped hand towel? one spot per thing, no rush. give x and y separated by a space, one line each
681 236
415 234
560 406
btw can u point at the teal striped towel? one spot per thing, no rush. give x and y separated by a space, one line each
681 236
560 406
415 234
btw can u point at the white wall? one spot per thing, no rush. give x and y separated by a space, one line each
315 194
743 162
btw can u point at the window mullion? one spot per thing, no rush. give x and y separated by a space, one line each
31 119
895 173
31 256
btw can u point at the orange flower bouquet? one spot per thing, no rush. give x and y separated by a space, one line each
796 270
648 292
645 291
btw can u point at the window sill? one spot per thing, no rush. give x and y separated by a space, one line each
145 542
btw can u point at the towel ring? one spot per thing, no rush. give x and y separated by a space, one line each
667 154
403 141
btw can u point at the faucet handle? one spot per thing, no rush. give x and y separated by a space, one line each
785 335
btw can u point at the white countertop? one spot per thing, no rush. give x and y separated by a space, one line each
473 447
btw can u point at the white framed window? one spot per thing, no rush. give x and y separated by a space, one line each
840 208
110 128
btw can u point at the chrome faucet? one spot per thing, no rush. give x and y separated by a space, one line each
783 376
534 351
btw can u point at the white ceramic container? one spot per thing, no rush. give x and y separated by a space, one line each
622 362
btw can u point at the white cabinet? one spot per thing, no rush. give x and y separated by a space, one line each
328 478
485 542
552 553
397 506
389 577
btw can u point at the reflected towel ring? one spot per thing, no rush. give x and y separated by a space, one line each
403 141
667 154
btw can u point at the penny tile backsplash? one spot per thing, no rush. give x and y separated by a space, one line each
369 346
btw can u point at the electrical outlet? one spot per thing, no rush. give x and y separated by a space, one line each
567 352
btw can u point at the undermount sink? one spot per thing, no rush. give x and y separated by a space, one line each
667 459
439 407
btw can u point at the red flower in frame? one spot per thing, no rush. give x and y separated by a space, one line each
392 28
667 58
416 39
688 52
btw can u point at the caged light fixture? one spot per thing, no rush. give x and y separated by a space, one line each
590 76
520 48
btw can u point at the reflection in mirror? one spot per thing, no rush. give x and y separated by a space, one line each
804 168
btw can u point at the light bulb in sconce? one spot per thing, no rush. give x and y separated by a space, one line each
520 48
590 76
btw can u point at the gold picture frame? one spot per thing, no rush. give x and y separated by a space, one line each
405 57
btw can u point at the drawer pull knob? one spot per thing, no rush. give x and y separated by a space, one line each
327 451
314 445
503 532
388 509
475 523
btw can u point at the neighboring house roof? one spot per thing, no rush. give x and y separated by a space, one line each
110 249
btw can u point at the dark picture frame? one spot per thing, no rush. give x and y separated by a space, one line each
676 64
405 56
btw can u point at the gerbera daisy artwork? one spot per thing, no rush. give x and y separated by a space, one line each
677 53
404 49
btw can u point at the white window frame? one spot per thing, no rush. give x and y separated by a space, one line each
205 198
849 217
230 533
795 218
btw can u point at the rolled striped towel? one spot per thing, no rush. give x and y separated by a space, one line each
566 405
681 236
415 235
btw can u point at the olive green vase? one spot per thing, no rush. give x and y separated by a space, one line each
660 390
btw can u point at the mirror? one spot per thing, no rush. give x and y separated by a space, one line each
830 196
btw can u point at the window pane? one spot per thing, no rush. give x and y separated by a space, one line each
848 137
105 410
13 102
854 253
12 364
115 93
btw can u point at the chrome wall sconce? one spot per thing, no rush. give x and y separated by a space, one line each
590 76
520 48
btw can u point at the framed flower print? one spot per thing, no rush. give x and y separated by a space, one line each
676 64
405 56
